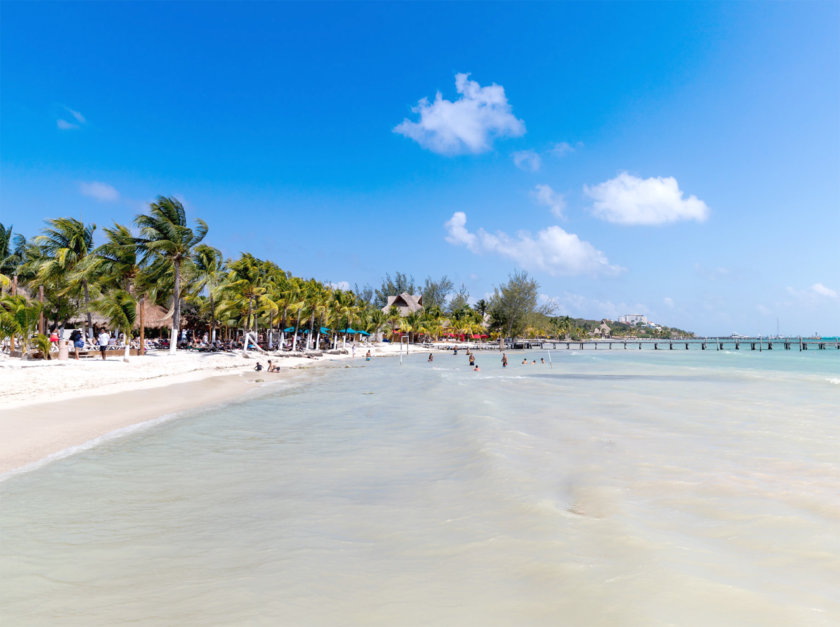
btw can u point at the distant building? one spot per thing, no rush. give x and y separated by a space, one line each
633 319
405 303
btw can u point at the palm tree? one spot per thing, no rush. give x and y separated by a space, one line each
18 317
120 308
209 267
9 261
63 248
115 267
165 237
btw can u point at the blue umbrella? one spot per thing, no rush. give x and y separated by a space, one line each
363 333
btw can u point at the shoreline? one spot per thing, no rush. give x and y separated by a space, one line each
50 410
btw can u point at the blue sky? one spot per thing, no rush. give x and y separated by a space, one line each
680 160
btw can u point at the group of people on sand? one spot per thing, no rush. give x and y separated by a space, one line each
77 340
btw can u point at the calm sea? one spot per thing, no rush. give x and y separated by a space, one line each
608 488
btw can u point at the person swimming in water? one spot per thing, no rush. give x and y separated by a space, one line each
431 357
504 360
472 359
367 356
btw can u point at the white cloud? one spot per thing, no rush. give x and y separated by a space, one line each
547 197
339 285
76 115
527 160
627 199
466 125
821 290
669 302
100 191
552 250
65 125
563 148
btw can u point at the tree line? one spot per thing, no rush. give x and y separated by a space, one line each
60 275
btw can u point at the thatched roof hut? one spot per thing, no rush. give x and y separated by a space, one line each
154 316
405 303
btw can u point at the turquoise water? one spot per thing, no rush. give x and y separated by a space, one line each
612 488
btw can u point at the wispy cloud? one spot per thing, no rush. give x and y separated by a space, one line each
339 285
547 197
821 290
466 125
527 160
65 125
627 199
100 191
561 149
714 274
669 302
552 249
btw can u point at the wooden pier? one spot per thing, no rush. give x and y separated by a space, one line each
702 344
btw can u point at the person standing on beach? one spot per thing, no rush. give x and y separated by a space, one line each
78 342
103 340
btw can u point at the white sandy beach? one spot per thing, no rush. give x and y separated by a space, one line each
47 407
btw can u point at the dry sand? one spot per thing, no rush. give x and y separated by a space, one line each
50 408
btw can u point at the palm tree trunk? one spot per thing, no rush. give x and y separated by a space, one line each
297 324
248 320
176 309
283 329
212 319
311 329
142 350
87 309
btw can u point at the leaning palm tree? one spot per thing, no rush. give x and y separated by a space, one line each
62 248
166 238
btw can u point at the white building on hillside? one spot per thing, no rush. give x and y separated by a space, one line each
633 319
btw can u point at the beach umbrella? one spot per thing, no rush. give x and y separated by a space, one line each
289 330
363 333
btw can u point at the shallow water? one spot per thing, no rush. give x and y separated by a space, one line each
610 488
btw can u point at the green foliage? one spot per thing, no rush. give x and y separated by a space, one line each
42 343
19 318
391 287
120 308
512 303
435 293
461 300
